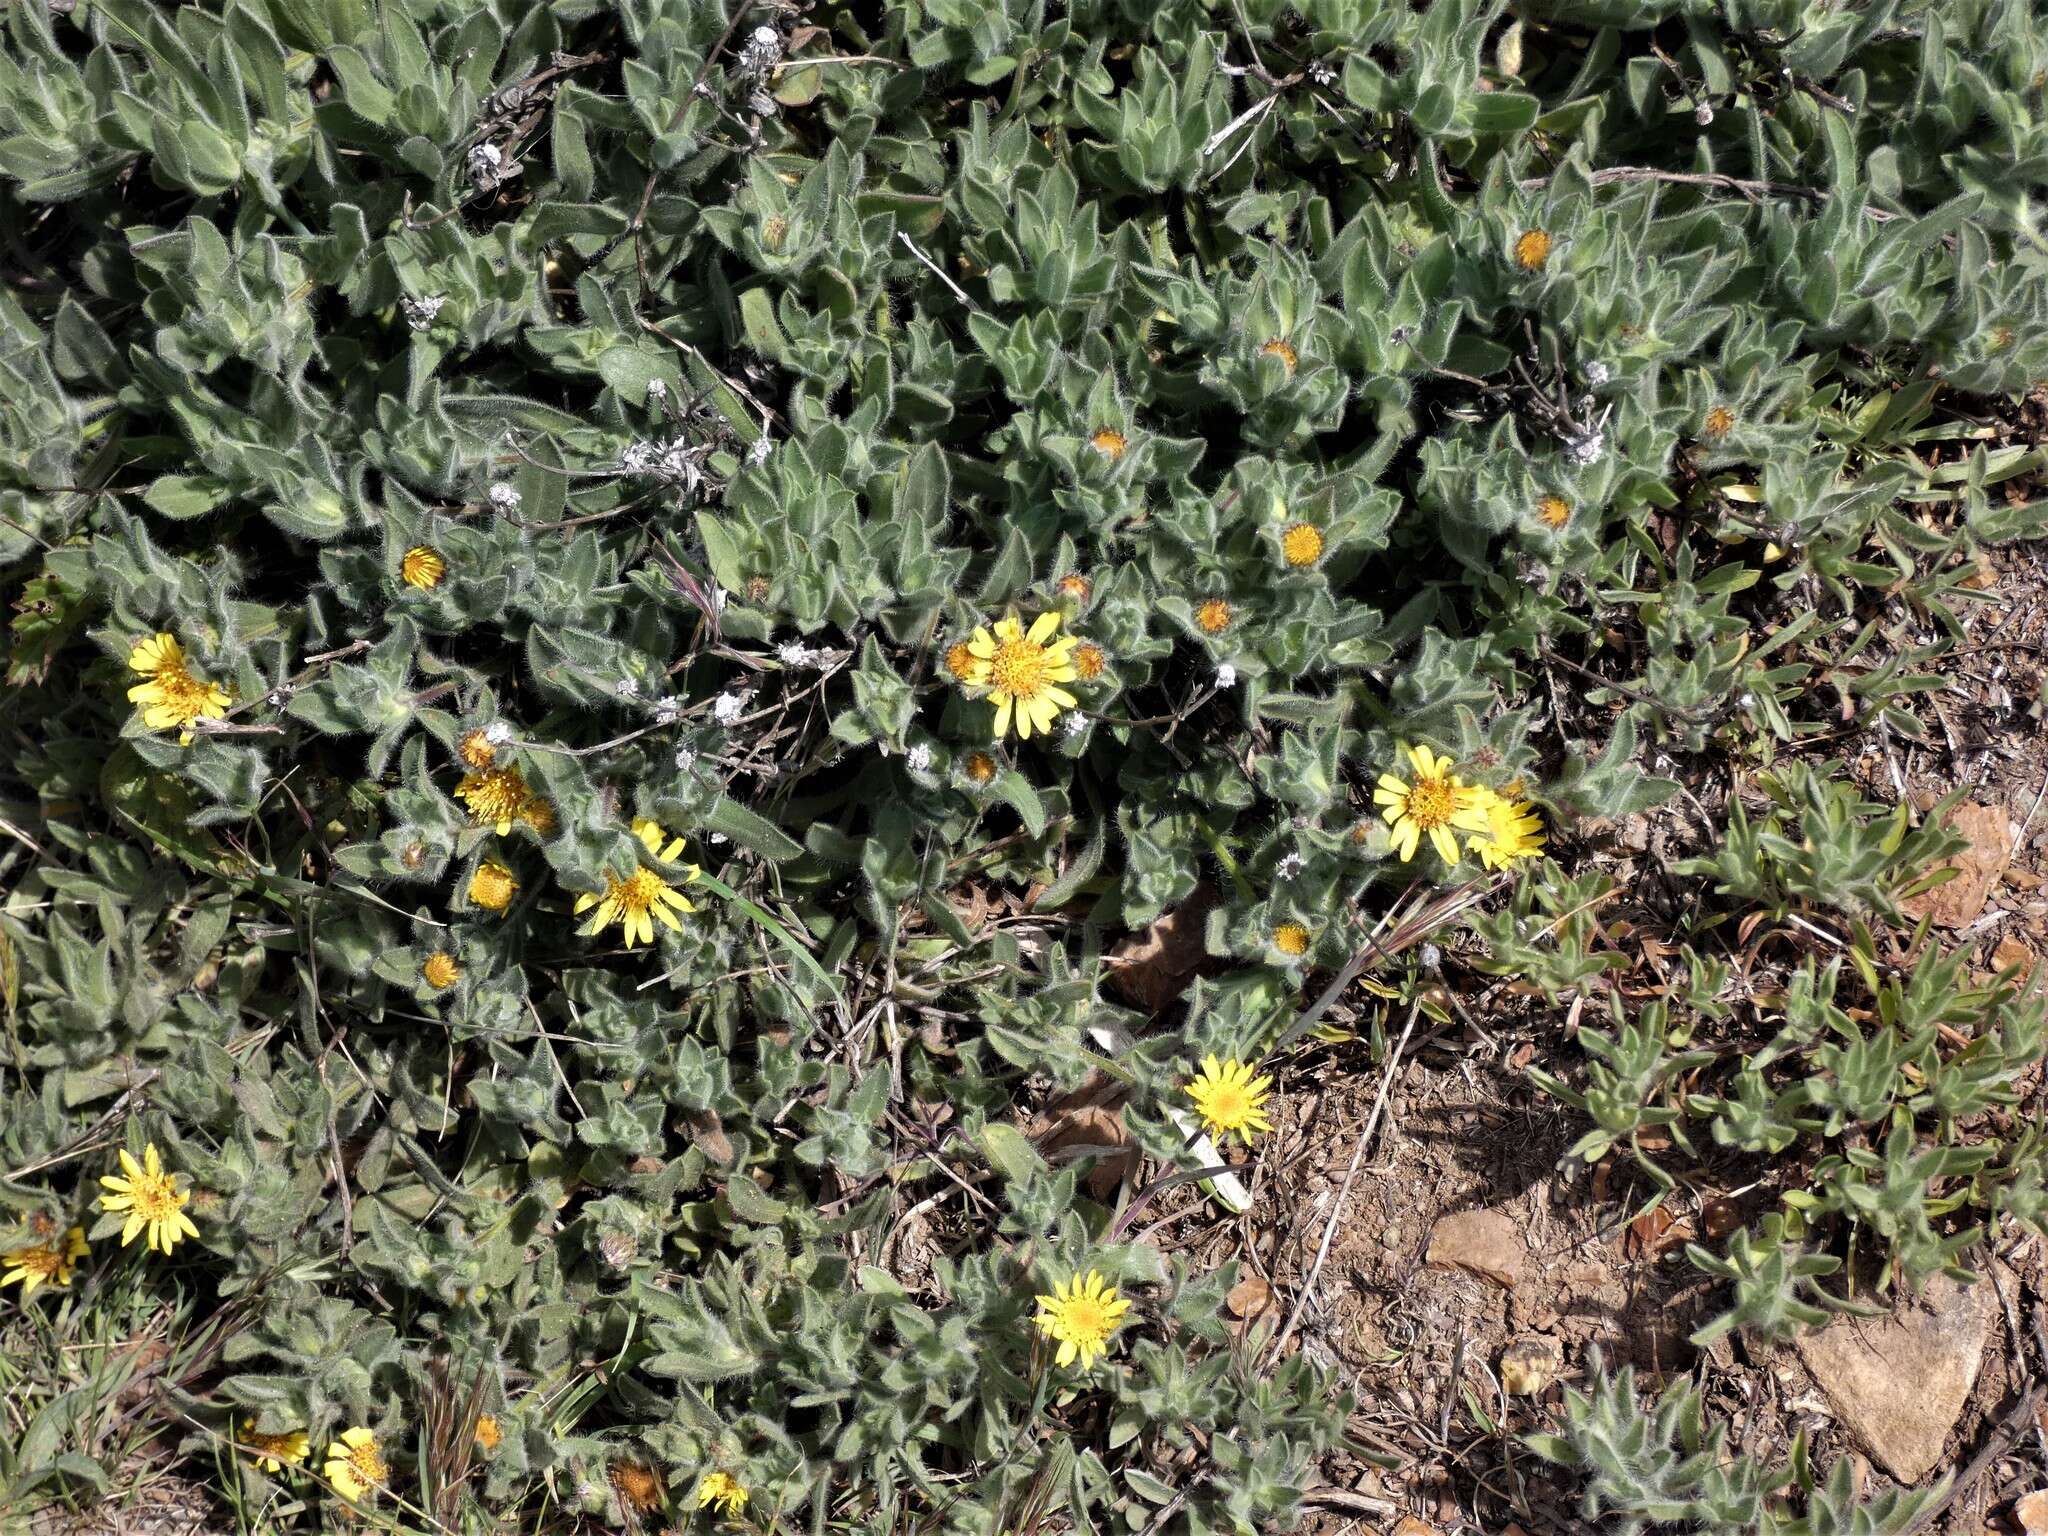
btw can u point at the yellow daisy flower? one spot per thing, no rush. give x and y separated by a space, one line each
1230 1099
50 1263
440 971
1213 616
723 1493
422 567
488 1434
274 1452
1082 1316
1281 350
1302 544
1291 939
355 1465
1110 443
172 695
1555 511
1532 250
496 797
632 901
1513 831
1435 803
152 1200
1021 672
491 887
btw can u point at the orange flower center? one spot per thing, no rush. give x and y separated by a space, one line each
1291 939
960 660
1281 350
981 767
1089 662
1532 250
1110 443
1554 510
1213 616
1720 421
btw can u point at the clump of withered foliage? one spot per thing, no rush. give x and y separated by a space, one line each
623 414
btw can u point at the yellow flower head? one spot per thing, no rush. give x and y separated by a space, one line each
1435 803
1075 587
355 1465
1283 351
1719 423
639 1486
47 1263
1110 443
1230 1100
491 887
1291 939
497 797
979 767
641 896
477 749
1555 511
1532 250
273 1453
1302 544
1022 671
723 1493
1513 831
1081 1316
1089 662
422 567
488 1434
440 971
172 695
538 812
965 666
1213 616
152 1200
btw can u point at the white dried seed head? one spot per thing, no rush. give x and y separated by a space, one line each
918 758
1226 676
505 498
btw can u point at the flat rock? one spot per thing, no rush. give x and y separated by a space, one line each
1979 864
1898 1383
1483 1243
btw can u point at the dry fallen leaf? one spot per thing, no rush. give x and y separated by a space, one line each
1249 1297
1074 1123
1957 902
1154 967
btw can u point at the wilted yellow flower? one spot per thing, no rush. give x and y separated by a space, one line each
172 695
355 1465
491 887
1213 616
152 1200
422 567
477 749
274 1452
538 812
48 1263
1110 443
722 1493
639 1486
1281 350
979 767
1082 1315
1302 544
1075 586
1089 662
1022 670
497 797
1513 831
1230 1100
488 1434
1435 803
1719 423
1532 250
1291 939
440 971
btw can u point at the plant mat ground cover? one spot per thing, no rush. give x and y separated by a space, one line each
1022 770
